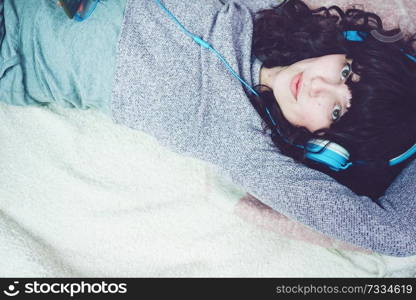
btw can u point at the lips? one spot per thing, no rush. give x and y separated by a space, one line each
295 85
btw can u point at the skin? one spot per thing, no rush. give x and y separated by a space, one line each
323 96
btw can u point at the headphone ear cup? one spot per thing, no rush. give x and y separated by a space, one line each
328 153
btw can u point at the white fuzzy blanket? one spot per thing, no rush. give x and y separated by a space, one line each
81 196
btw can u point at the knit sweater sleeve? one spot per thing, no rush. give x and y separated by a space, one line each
318 201
255 5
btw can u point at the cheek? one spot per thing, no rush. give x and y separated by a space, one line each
312 117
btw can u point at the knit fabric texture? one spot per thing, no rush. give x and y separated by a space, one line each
168 86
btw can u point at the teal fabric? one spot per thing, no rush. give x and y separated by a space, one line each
46 57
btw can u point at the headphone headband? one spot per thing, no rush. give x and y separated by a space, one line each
358 36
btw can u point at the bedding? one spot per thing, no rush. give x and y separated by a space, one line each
36 66
81 196
69 206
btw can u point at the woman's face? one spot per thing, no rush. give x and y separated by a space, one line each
320 96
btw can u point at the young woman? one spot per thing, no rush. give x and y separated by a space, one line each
368 108
161 78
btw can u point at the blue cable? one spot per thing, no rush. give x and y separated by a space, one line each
208 46
410 56
351 35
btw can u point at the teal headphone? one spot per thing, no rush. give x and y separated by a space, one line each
321 151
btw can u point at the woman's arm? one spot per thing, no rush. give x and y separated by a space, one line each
253 211
318 201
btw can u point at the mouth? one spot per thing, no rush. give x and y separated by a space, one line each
295 85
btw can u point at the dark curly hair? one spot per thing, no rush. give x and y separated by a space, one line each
381 123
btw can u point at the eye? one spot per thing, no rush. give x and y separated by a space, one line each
346 71
336 113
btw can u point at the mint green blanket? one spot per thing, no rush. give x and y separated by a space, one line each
36 65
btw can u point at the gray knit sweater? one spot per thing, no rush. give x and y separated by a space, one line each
169 87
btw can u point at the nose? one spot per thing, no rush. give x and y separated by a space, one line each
320 85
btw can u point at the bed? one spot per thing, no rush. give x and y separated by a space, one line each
83 197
